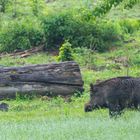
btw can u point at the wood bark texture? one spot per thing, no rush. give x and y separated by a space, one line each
47 79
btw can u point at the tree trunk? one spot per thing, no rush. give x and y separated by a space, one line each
48 79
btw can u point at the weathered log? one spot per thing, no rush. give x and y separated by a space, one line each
47 79
22 54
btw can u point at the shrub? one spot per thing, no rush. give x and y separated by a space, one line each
55 28
65 52
3 4
64 26
111 31
80 32
20 35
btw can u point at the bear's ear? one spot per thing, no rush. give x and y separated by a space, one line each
91 87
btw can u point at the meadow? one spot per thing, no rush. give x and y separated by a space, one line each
42 118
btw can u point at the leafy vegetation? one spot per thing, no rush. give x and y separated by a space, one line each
79 26
65 52
90 34
20 35
106 6
3 4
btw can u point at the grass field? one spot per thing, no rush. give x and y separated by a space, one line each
87 127
36 119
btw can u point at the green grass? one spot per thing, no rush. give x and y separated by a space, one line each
43 120
119 13
86 128
40 58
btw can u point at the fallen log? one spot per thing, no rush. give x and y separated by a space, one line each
47 79
23 54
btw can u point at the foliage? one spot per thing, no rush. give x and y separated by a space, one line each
3 4
20 35
54 27
106 5
79 25
131 3
65 52
38 7
91 34
130 26
111 31
35 7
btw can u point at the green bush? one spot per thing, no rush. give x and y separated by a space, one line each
63 26
80 32
56 28
111 31
20 35
3 5
65 52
